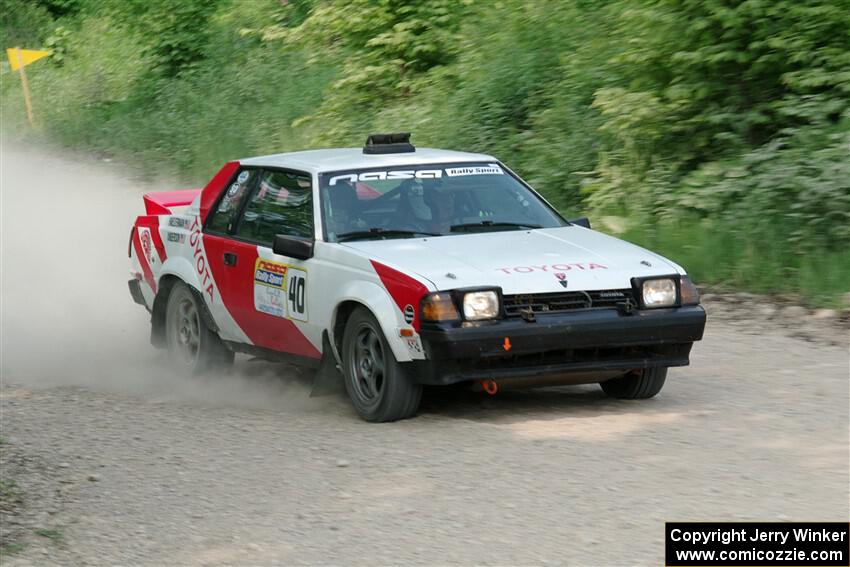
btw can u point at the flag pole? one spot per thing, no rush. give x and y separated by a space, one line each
25 86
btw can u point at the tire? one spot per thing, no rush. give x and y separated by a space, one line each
192 347
377 384
636 385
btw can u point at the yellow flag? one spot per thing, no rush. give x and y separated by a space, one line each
27 56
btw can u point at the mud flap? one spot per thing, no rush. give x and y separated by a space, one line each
328 378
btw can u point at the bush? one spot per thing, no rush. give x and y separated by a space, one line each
718 131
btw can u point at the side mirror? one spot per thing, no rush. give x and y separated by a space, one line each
293 246
581 221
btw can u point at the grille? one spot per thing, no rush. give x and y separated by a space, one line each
540 303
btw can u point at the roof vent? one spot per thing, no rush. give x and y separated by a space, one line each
388 144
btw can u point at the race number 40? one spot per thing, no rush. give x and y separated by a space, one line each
296 294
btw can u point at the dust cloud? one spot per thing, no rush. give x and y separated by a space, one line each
66 316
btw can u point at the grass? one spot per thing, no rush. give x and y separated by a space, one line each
730 258
50 533
10 494
10 498
13 548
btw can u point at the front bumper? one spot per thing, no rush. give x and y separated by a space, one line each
580 341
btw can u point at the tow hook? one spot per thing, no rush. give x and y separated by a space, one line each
626 307
489 386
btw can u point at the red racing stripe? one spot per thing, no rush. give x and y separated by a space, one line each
235 284
403 289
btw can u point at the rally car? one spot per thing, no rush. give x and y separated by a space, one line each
393 267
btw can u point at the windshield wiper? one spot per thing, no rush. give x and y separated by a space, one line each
489 223
376 232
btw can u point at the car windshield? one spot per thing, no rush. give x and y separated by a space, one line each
428 200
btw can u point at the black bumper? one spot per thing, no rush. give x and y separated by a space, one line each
580 341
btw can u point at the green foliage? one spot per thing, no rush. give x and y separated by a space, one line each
800 181
720 127
174 34
59 8
714 87
388 51
74 101
22 23
57 42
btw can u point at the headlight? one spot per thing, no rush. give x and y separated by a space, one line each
659 293
479 305
688 291
438 307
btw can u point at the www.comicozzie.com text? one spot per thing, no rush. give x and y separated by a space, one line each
744 534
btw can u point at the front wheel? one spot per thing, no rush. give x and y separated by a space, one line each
377 384
192 346
636 385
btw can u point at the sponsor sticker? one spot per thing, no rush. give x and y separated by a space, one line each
270 287
177 222
147 244
386 175
562 279
409 313
233 189
176 237
414 346
475 170
243 177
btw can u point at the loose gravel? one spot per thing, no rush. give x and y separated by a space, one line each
115 461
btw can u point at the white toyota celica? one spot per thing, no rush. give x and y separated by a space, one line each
392 267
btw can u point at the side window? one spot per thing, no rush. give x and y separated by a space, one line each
281 204
225 215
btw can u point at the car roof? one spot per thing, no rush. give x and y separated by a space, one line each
318 161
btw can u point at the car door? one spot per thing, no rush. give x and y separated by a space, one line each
266 294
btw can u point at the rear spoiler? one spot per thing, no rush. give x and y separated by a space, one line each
159 202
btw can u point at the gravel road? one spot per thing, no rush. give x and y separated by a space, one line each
115 461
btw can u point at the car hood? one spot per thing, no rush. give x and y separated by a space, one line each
526 261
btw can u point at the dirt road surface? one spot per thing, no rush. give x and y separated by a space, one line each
119 462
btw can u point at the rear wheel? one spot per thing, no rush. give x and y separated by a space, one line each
377 384
636 385
192 347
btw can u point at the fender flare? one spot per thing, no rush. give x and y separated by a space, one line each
379 302
176 269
